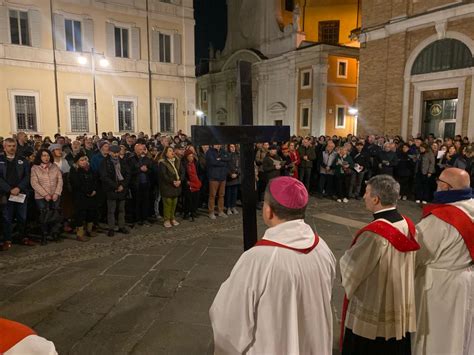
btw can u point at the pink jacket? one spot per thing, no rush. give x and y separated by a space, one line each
46 181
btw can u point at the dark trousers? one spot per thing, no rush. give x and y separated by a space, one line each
423 187
231 193
357 345
342 184
261 186
326 183
405 185
304 175
44 206
190 201
356 183
141 203
12 211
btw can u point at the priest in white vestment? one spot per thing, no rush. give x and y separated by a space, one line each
277 300
378 278
444 270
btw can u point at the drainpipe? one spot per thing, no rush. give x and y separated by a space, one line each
150 82
53 36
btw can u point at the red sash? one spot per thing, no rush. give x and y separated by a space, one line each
457 218
11 333
398 240
265 242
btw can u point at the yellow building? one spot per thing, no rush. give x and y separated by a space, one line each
61 59
304 65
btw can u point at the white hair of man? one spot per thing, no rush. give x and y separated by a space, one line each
386 188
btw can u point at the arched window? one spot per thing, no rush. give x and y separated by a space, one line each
442 55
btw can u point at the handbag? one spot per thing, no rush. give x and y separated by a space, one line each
50 215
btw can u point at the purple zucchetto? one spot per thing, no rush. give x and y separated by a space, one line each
289 192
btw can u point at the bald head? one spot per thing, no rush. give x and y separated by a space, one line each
454 179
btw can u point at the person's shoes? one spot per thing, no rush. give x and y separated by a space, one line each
212 216
358 197
222 214
234 211
404 198
90 230
111 233
229 212
194 215
417 201
175 222
339 200
424 202
345 200
6 246
124 230
167 224
28 242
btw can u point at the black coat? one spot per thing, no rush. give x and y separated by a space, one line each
405 166
134 164
83 183
362 159
109 179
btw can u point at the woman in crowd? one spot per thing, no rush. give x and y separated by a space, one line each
191 184
343 165
170 177
47 182
404 171
295 158
233 181
425 168
387 159
84 188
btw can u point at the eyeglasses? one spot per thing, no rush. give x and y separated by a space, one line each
444 182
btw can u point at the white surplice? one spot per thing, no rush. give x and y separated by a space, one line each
444 288
32 345
276 300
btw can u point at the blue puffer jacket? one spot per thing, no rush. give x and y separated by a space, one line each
217 163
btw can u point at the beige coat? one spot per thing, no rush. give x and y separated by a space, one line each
379 283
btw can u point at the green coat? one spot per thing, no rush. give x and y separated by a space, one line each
167 175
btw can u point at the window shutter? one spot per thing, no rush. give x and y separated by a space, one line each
4 25
59 32
135 45
34 18
110 30
155 46
177 48
88 35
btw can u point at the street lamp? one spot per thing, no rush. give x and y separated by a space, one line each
353 111
104 63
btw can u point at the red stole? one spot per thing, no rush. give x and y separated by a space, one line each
265 242
12 333
398 240
457 218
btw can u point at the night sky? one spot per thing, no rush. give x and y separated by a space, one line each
211 27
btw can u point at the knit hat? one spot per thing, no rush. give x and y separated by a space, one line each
78 156
102 143
53 147
114 148
289 192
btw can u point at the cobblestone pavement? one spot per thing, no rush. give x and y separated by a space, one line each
149 292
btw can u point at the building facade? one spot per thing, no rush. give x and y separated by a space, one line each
304 66
416 72
88 66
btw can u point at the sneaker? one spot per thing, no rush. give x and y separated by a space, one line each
404 198
222 214
345 200
167 224
339 200
212 216
229 212
175 222
234 211
417 201
424 202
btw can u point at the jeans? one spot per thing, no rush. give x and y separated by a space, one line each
304 174
356 183
169 207
326 182
43 206
112 207
11 211
231 193
216 188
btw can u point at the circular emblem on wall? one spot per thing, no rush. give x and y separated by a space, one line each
436 110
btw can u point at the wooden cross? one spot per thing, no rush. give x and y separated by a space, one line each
246 135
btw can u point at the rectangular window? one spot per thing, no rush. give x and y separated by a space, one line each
121 42
126 116
342 68
204 96
306 79
289 5
166 117
305 117
25 112
19 31
79 115
278 122
340 116
165 48
73 36
329 32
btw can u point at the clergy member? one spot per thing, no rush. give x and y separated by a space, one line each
378 277
444 279
277 300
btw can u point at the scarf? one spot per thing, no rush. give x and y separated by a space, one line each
171 161
118 171
45 166
451 196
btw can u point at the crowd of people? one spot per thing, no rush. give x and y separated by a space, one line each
49 186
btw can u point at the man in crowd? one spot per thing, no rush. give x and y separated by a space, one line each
361 166
272 164
277 299
22 144
14 183
445 273
378 277
104 147
217 160
326 170
307 155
